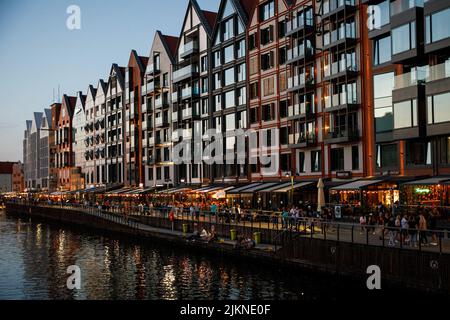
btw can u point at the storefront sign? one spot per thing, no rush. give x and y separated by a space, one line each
423 190
344 174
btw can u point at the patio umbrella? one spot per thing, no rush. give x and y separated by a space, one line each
320 195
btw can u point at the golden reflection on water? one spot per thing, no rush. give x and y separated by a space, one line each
168 281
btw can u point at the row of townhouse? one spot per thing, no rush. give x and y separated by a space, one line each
340 89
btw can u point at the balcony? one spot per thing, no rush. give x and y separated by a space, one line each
300 110
342 134
340 101
300 52
152 69
159 122
343 37
338 8
185 73
174 97
298 25
402 6
174 116
340 69
188 49
190 93
410 85
175 136
299 82
161 102
302 140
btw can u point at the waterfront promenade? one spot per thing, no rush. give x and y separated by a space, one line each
273 229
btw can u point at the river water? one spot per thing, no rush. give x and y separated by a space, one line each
34 257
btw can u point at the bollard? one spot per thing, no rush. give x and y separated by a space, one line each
233 234
185 228
257 236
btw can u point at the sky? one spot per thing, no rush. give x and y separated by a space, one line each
38 51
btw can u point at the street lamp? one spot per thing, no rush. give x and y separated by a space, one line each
290 175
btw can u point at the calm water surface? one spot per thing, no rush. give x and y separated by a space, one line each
34 257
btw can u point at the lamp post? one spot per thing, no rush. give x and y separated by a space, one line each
289 175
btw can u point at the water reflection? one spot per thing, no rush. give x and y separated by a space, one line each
34 258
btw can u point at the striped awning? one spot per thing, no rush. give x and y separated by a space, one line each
242 188
259 187
357 185
430 181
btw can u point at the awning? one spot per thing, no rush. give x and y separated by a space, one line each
276 187
259 187
296 186
119 191
174 190
357 185
242 188
430 181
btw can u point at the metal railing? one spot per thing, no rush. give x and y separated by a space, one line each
270 224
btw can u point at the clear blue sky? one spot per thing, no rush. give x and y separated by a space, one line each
38 51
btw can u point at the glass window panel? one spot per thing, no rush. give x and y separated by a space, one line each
440 25
230 99
229 76
228 54
441 109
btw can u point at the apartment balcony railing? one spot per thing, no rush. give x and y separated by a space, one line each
161 102
152 69
299 81
438 72
339 67
336 37
413 78
175 135
342 134
174 117
399 6
174 97
336 6
190 92
159 121
303 139
298 24
299 52
299 110
187 133
185 73
188 49
339 100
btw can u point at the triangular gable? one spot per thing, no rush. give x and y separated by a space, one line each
193 7
37 121
91 93
80 104
169 43
134 57
252 11
48 117
102 88
68 103
119 73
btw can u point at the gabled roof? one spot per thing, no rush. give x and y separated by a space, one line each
81 99
252 10
69 103
102 87
120 73
92 92
201 15
48 117
244 9
135 57
37 119
169 43
28 124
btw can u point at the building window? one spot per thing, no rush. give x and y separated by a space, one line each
381 50
387 156
204 64
217 103
254 91
355 157
438 110
230 100
216 56
228 29
217 81
267 61
254 115
165 80
229 76
437 26
418 153
268 112
403 38
241 72
384 116
282 28
266 11
204 85
241 96
266 35
384 15
337 159
301 162
240 49
405 114
228 54
444 150
242 119
316 161
252 41
283 109
282 55
230 122
269 86
284 135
